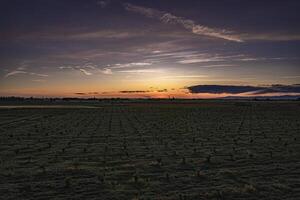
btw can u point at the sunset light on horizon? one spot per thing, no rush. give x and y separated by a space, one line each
149 49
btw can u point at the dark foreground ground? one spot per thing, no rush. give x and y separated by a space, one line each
196 150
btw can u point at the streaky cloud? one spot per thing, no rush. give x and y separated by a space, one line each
199 60
190 25
85 72
188 77
274 36
106 71
16 72
128 65
141 71
291 77
37 74
87 69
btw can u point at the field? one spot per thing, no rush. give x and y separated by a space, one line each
151 150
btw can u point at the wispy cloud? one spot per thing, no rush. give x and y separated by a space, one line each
206 58
199 60
87 69
109 68
106 71
37 74
191 57
103 34
141 71
274 36
291 77
190 25
218 65
67 33
65 67
177 54
85 72
16 72
91 69
189 77
156 51
95 54
39 80
128 65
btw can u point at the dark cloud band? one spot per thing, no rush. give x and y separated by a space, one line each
231 89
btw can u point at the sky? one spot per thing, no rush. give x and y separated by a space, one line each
150 48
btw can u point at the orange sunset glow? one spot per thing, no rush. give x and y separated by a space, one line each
120 49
